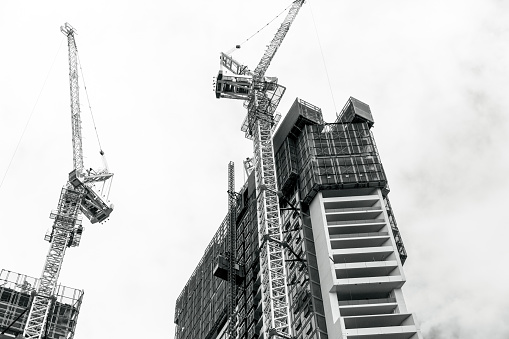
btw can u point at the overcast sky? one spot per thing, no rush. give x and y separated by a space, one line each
435 74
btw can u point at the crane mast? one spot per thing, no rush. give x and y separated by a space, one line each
262 95
76 196
66 227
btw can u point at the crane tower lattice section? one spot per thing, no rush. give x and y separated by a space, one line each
261 109
262 96
272 262
66 219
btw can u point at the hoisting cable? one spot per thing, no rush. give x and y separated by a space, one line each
31 113
258 31
323 58
89 105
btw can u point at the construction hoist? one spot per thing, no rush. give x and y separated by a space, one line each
261 97
86 191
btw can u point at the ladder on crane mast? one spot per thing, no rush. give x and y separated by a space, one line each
261 97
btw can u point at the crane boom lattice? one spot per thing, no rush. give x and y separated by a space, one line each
264 63
77 148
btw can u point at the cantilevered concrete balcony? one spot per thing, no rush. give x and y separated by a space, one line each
365 254
331 205
367 306
367 269
356 214
372 287
355 226
383 326
396 332
359 240
360 270
378 320
396 325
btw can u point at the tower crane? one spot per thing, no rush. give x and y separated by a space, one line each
77 196
261 97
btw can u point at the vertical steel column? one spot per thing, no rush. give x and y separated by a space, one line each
232 242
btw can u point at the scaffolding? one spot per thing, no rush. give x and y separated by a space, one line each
16 295
202 305
201 308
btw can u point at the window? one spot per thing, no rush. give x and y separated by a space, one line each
23 301
309 328
6 296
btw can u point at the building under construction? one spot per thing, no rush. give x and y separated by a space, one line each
343 251
16 295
